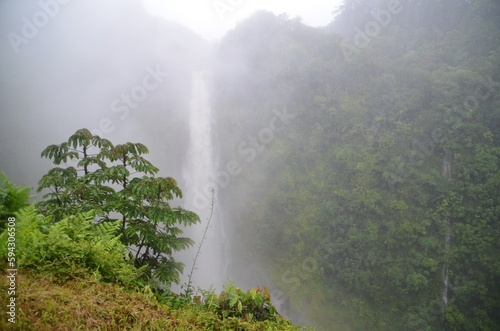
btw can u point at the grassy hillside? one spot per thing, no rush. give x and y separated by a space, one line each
43 303
76 275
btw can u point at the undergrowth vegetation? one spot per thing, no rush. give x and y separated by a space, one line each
90 304
76 274
73 247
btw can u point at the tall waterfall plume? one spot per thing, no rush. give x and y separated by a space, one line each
199 190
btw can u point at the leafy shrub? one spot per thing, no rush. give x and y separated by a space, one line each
74 247
252 305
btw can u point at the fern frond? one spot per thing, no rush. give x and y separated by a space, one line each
107 230
110 245
77 227
27 215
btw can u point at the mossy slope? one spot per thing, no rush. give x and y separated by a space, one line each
88 304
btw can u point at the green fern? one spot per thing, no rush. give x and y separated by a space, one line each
12 198
108 245
107 229
73 247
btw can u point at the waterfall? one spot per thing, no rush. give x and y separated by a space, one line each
446 276
198 170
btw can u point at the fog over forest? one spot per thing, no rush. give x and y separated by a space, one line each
355 166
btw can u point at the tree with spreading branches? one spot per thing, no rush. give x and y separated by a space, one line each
118 183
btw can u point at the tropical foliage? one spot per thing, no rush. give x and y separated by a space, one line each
120 185
369 189
76 273
12 198
380 195
71 248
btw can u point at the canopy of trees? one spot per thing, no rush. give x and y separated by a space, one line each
377 204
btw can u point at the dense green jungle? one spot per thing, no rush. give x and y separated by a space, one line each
379 205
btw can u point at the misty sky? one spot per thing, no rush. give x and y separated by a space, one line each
67 72
213 18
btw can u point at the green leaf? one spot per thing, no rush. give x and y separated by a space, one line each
233 299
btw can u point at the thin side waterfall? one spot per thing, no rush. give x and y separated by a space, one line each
446 275
198 181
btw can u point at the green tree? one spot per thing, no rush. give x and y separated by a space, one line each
119 184
390 170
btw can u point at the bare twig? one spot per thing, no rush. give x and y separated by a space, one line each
189 288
